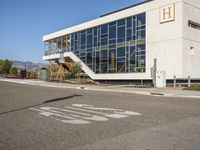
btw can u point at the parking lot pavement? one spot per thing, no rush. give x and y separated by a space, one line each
33 117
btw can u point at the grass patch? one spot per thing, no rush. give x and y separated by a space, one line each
194 87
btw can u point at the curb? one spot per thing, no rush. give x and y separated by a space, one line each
102 90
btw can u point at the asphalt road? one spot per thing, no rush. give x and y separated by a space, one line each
41 118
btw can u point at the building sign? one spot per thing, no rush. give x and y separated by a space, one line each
167 13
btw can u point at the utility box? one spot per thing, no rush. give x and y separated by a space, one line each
160 79
43 74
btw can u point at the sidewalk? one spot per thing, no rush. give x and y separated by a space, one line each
167 92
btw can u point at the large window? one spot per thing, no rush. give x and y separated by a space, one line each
121 34
112 61
116 47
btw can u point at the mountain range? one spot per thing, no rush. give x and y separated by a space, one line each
28 65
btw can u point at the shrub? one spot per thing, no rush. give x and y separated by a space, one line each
194 87
75 69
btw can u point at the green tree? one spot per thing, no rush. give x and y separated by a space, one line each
13 71
5 66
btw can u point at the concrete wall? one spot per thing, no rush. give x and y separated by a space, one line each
191 39
164 41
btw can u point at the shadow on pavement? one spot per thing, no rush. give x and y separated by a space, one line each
45 102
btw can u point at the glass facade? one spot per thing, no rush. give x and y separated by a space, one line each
55 45
116 47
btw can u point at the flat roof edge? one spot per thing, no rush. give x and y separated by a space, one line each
137 4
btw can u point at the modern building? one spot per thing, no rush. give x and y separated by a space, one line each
124 44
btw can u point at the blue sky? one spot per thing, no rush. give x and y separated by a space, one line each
24 22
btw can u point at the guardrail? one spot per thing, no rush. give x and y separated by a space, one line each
57 51
177 82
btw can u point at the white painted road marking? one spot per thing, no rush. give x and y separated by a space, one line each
76 114
111 115
116 111
89 116
62 118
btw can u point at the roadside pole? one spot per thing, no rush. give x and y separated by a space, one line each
61 61
153 72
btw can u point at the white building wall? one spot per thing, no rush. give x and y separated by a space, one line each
191 39
164 41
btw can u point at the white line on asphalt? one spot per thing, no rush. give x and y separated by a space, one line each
118 111
90 117
111 115
61 114
70 120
